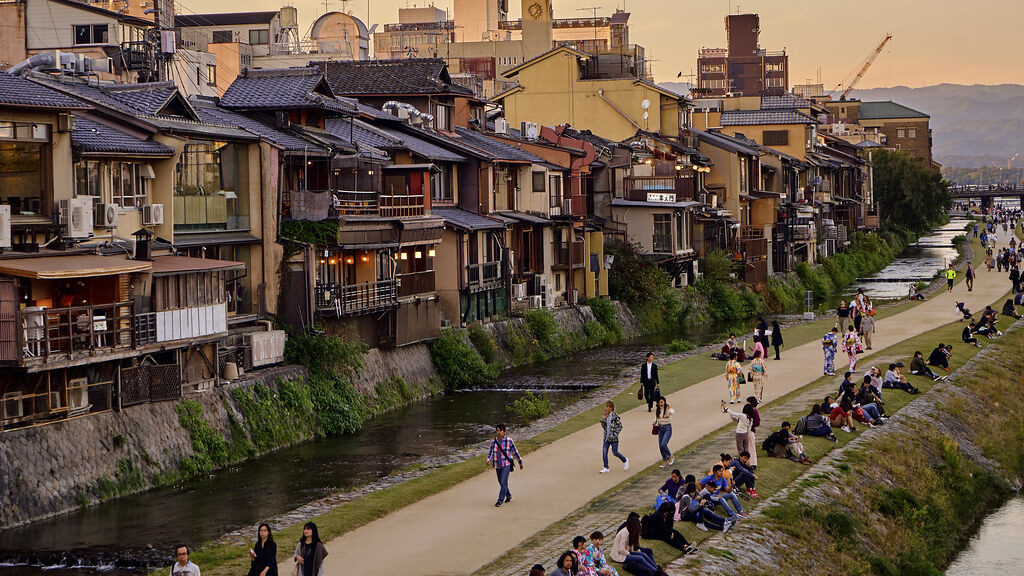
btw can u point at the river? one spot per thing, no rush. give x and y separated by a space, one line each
125 536
996 548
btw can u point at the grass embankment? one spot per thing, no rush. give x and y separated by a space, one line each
219 559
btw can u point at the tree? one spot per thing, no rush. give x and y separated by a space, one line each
910 194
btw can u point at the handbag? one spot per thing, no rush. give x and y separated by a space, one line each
640 393
654 429
750 376
740 379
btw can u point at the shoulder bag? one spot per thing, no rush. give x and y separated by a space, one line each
502 450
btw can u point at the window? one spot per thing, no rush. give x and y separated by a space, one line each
25 167
211 74
774 67
901 133
128 187
712 68
911 132
87 178
91 34
662 240
441 187
206 192
682 230
775 137
538 181
775 82
744 181
555 190
259 36
222 36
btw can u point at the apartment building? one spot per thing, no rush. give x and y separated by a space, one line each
743 67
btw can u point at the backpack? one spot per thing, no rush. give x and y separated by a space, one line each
801 426
773 440
661 499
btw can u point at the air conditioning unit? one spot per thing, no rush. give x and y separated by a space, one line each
75 216
536 302
13 405
78 393
66 122
500 126
106 215
519 291
5 226
267 347
152 214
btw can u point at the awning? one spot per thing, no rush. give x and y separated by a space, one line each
213 239
671 205
413 167
77 266
766 194
748 197
522 217
466 220
168 265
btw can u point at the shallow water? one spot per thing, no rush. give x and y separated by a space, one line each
998 547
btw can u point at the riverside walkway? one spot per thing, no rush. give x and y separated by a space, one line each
457 531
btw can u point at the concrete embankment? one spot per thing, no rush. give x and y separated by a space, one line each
901 499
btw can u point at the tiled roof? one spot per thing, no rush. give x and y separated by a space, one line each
887 111
756 117
277 89
465 219
497 150
390 77
228 19
784 101
93 137
361 133
21 93
209 112
727 142
422 147
149 99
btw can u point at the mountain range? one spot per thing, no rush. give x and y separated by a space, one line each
972 125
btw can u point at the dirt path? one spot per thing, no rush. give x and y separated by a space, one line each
457 531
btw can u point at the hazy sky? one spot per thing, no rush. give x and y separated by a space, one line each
934 41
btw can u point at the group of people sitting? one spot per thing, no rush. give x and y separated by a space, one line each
592 559
985 324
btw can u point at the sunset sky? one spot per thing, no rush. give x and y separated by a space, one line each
934 41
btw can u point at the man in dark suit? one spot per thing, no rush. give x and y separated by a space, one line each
649 380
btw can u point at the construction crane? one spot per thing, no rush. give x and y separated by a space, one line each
864 68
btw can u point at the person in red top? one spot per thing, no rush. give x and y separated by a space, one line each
841 418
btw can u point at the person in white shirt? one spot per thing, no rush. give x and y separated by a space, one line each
182 566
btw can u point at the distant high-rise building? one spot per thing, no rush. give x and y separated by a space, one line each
744 67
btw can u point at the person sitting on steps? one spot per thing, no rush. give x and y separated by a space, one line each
967 336
818 424
895 380
693 507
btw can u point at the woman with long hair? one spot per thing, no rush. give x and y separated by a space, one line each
732 375
310 552
744 422
567 565
626 549
776 338
264 553
852 346
758 374
663 420
594 559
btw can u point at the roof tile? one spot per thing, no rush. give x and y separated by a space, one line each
19 92
90 136
755 117
387 77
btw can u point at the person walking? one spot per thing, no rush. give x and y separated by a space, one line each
776 338
649 382
663 422
263 554
969 277
612 425
852 346
843 313
732 376
182 565
758 375
1015 278
310 552
989 261
829 343
867 327
950 276
499 455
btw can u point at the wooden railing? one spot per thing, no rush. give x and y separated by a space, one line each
398 205
355 202
79 397
483 273
567 254
415 283
362 203
637 188
76 330
345 299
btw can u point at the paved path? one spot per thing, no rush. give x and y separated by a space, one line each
457 531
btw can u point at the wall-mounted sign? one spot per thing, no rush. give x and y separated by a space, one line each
661 197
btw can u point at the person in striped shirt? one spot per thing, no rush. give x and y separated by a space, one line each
500 456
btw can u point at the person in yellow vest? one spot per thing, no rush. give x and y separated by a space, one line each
950 276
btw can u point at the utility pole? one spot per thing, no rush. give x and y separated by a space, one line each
593 10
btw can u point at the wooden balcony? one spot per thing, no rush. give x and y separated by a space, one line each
355 202
569 206
56 334
567 255
483 275
415 283
398 205
658 188
353 299
369 203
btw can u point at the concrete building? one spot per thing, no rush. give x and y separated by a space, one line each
743 67
903 127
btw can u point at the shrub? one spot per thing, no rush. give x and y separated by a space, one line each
544 328
597 334
605 313
531 406
483 343
679 345
459 364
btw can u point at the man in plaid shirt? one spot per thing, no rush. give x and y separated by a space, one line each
500 456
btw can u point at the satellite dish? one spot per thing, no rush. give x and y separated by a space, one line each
646 115
646 104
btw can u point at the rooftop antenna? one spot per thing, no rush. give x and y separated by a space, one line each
593 10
